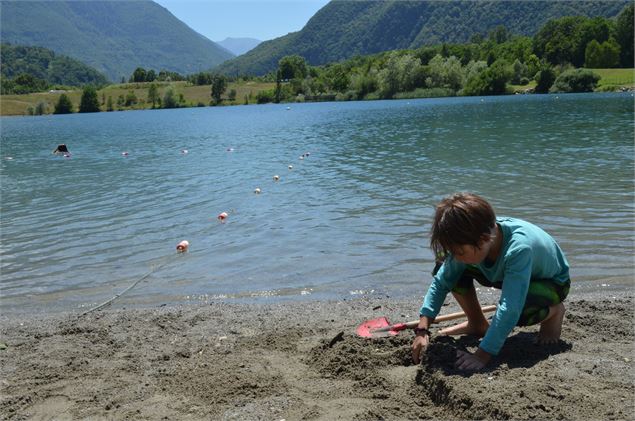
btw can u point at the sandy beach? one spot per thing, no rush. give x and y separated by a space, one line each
302 361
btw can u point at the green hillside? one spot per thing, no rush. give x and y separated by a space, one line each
46 65
114 37
343 29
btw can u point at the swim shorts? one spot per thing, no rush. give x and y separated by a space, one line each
542 293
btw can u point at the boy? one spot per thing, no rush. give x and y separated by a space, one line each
509 254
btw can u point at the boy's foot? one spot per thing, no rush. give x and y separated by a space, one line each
551 327
465 328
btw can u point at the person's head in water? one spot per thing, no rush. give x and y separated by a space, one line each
61 148
464 225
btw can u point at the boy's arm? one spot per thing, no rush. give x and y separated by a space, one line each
441 285
518 264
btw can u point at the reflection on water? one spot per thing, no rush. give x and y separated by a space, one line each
350 218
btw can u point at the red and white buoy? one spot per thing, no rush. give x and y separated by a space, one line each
222 216
124 153
182 246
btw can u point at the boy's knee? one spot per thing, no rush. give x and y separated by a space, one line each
533 315
462 289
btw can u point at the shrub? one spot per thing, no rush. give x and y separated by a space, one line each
578 80
41 108
169 100
131 99
264 97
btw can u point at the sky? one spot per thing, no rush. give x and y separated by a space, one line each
260 19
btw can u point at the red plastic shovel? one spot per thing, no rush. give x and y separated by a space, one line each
380 327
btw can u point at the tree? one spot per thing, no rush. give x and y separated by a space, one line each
363 84
624 35
278 91
232 95
139 75
64 105
533 65
89 102
445 73
109 105
292 67
499 34
564 40
41 108
388 77
219 84
544 79
169 101
491 81
426 53
153 94
336 77
151 76
599 56
593 55
520 70
26 83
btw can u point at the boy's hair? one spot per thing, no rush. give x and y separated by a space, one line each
460 219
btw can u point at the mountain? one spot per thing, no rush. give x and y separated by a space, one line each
238 46
343 28
115 37
45 64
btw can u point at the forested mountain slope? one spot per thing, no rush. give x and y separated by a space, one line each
114 37
343 29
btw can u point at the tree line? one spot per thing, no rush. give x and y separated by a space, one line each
557 59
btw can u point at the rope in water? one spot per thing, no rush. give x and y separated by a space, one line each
107 302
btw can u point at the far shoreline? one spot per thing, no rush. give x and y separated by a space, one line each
621 90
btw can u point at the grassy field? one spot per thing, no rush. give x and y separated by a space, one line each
192 96
616 77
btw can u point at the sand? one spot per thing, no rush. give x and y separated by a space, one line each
302 361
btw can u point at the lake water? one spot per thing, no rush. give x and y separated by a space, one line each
348 220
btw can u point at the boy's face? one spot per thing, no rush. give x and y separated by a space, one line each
472 255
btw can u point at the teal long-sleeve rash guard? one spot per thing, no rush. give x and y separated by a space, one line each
527 253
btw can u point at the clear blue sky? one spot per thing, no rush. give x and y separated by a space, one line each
260 19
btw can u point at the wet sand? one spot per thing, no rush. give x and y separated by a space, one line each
302 361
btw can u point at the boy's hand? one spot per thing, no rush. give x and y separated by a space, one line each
472 362
418 346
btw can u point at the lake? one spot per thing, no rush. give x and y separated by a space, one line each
349 220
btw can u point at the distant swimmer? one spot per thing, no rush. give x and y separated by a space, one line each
61 149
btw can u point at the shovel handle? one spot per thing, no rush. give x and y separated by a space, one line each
451 316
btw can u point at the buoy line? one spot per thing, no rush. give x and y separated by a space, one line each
181 247
105 303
